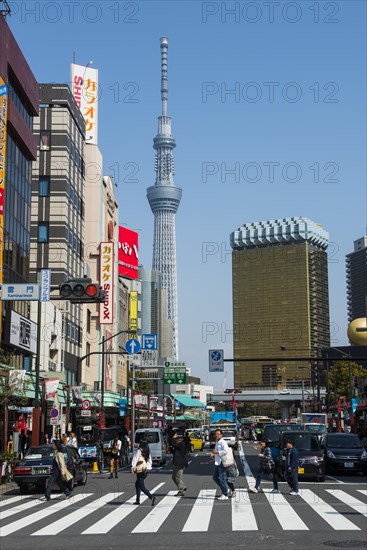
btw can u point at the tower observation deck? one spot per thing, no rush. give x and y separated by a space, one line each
164 198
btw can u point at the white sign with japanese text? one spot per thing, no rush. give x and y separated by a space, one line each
106 277
84 85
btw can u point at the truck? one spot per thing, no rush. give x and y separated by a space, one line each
225 421
313 418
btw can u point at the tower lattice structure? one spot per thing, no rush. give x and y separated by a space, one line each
164 198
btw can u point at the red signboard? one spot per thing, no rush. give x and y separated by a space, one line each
128 253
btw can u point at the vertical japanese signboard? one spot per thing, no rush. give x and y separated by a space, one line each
3 119
106 281
133 311
84 84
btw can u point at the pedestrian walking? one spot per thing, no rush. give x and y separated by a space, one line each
292 467
267 466
60 473
141 464
115 447
219 474
179 461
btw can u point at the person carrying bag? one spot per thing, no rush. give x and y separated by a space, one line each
60 473
141 464
267 466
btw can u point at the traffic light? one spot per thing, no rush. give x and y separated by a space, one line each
195 397
82 291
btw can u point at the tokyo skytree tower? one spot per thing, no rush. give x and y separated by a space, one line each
164 199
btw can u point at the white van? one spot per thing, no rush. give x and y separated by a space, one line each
154 438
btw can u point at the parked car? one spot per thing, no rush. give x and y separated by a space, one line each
197 441
310 455
36 467
344 452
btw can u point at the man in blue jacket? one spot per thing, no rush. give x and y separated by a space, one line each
292 467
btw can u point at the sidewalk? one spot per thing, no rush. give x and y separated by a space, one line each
7 487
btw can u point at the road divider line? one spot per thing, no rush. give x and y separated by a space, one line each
109 521
243 517
41 514
152 522
201 512
246 468
286 515
327 512
70 519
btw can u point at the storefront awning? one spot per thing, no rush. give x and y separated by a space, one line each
183 417
188 400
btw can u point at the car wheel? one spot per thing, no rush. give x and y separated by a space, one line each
23 488
83 480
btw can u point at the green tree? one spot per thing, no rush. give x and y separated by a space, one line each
343 376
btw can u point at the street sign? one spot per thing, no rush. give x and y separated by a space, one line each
20 292
54 422
86 404
86 413
149 341
173 375
45 285
54 413
180 376
132 346
149 358
216 360
136 359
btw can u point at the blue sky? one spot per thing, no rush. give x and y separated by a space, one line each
298 71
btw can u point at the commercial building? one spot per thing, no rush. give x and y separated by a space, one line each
280 299
19 99
356 264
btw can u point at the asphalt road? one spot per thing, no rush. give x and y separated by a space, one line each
324 515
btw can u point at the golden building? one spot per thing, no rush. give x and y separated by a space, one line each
280 300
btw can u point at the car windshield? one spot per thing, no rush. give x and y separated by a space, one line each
272 431
317 428
229 434
149 437
303 442
35 453
340 442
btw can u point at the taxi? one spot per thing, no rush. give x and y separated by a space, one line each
197 442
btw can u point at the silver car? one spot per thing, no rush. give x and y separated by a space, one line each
230 436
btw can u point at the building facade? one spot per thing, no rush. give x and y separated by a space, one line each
19 106
356 265
280 299
58 222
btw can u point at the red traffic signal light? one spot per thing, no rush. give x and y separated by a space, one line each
195 397
82 290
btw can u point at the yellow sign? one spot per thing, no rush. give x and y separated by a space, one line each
3 120
133 307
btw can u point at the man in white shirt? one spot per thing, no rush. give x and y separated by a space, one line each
219 474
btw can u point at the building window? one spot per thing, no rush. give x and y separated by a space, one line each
89 319
87 359
44 186
45 142
43 232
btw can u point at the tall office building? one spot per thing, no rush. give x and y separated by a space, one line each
280 299
356 263
164 199
58 219
19 102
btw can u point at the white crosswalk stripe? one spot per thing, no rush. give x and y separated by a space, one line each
116 516
201 512
12 500
244 512
70 519
327 512
286 515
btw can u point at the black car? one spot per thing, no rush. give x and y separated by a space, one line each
310 455
36 467
271 433
344 452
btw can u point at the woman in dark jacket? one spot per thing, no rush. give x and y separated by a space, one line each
267 466
60 473
142 452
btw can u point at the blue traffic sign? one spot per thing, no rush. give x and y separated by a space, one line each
132 346
150 341
216 360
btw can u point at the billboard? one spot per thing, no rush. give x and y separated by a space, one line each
3 119
106 256
22 333
128 253
133 311
84 86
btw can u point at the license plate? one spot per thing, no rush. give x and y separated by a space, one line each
39 470
348 464
301 470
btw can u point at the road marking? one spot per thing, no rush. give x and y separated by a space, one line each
243 517
152 522
37 516
286 515
201 512
246 468
354 503
363 491
5 502
334 478
329 514
21 508
109 521
70 519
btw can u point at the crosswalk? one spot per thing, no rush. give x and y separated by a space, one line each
91 514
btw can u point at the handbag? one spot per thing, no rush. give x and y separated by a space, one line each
67 476
141 466
228 459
